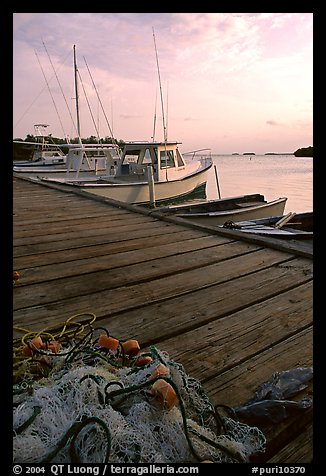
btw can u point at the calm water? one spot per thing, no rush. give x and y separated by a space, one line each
272 176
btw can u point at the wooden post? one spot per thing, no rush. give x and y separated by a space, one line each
218 186
151 186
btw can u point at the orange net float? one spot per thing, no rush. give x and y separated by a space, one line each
142 360
108 342
160 370
164 394
131 347
16 276
54 346
35 344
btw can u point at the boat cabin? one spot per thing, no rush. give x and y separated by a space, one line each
93 157
49 156
164 157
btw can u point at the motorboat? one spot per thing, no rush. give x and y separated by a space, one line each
145 173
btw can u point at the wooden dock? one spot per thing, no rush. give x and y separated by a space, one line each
231 311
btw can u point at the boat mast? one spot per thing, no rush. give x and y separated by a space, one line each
154 123
77 96
162 105
159 80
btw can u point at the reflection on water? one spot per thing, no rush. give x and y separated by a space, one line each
272 176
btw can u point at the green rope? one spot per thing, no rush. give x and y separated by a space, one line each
72 434
72 450
29 421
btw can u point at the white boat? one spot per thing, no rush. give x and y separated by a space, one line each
146 172
51 162
223 210
48 159
45 154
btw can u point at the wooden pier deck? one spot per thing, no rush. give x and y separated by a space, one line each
231 311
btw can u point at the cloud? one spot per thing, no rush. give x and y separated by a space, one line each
225 71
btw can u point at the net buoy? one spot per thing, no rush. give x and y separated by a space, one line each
164 394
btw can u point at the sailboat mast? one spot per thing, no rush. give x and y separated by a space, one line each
77 96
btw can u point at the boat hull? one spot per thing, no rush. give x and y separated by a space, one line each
275 207
48 173
139 193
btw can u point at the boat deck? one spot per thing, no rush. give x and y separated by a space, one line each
232 311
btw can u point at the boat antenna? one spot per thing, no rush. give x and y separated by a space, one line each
159 79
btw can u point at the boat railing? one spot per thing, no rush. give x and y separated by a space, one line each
194 152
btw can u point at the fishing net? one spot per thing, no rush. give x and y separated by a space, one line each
87 402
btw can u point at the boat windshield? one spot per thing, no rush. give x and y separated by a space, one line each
139 156
166 159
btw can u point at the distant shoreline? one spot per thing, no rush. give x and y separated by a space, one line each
268 154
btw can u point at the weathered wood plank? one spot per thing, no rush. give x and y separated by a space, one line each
284 434
149 232
42 219
182 313
227 341
199 250
72 226
298 451
86 233
91 250
235 384
162 285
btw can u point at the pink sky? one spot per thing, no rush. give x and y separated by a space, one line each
231 82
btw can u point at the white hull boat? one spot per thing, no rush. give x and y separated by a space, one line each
147 172
54 164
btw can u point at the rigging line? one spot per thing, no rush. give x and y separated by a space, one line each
89 107
64 97
103 110
36 98
55 106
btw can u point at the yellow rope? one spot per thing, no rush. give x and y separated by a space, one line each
25 366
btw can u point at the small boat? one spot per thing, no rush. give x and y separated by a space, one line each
220 211
298 226
145 173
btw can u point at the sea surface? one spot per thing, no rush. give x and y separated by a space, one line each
273 176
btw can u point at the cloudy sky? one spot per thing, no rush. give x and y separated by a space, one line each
231 82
